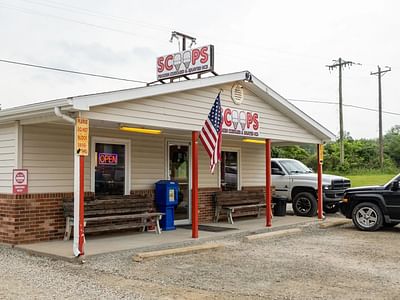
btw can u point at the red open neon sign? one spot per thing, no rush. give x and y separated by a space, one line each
108 159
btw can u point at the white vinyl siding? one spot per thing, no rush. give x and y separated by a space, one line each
206 179
188 110
148 161
8 156
48 148
252 164
273 123
147 156
48 156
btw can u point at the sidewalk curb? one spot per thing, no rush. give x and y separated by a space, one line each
138 257
272 234
334 223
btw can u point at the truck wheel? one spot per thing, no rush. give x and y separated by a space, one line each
331 208
305 204
367 216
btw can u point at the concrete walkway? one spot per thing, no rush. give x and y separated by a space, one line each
150 241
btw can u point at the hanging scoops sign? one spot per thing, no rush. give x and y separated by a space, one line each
191 61
240 122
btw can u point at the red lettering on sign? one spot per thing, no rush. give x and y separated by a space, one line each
108 159
228 117
249 119
204 55
168 62
195 55
20 177
160 64
255 121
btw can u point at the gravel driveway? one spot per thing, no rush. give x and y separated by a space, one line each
336 263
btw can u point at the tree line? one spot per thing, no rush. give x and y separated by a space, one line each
361 155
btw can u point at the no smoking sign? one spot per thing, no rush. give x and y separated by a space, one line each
20 181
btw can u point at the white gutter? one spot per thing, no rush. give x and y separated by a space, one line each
59 114
75 246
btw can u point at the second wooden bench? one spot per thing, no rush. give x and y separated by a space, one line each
244 202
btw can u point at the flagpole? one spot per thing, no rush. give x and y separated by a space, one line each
195 186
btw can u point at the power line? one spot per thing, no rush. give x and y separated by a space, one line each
144 82
89 12
80 10
346 105
33 12
70 71
138 81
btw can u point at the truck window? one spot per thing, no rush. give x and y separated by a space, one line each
274 167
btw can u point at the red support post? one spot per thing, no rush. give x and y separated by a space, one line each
81 204
195 185
320 196
268 196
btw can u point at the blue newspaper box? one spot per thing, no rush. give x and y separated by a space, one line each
166 199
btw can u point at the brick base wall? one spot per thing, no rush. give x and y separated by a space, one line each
39 217
206 204
32 217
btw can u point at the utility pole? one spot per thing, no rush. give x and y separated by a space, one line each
340 63
380 73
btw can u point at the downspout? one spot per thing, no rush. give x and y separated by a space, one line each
59 114
75 246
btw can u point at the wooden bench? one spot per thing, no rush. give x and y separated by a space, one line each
243 202
113 213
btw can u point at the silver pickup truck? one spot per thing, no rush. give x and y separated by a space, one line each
298 183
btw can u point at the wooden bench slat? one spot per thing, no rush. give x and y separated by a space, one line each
125 211
245 206
124 217
247 202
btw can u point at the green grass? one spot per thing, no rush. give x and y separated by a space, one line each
369 179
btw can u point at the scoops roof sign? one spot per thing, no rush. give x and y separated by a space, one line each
191 61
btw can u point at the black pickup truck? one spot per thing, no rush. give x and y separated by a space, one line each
372 207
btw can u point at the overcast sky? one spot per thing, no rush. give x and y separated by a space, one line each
286 44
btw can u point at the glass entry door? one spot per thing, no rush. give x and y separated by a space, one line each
109 169
179 170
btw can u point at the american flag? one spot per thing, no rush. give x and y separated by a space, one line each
211 133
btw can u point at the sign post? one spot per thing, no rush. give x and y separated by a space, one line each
82 149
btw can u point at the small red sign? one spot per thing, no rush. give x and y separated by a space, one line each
20 181
108 159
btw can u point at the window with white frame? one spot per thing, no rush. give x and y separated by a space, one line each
229 170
